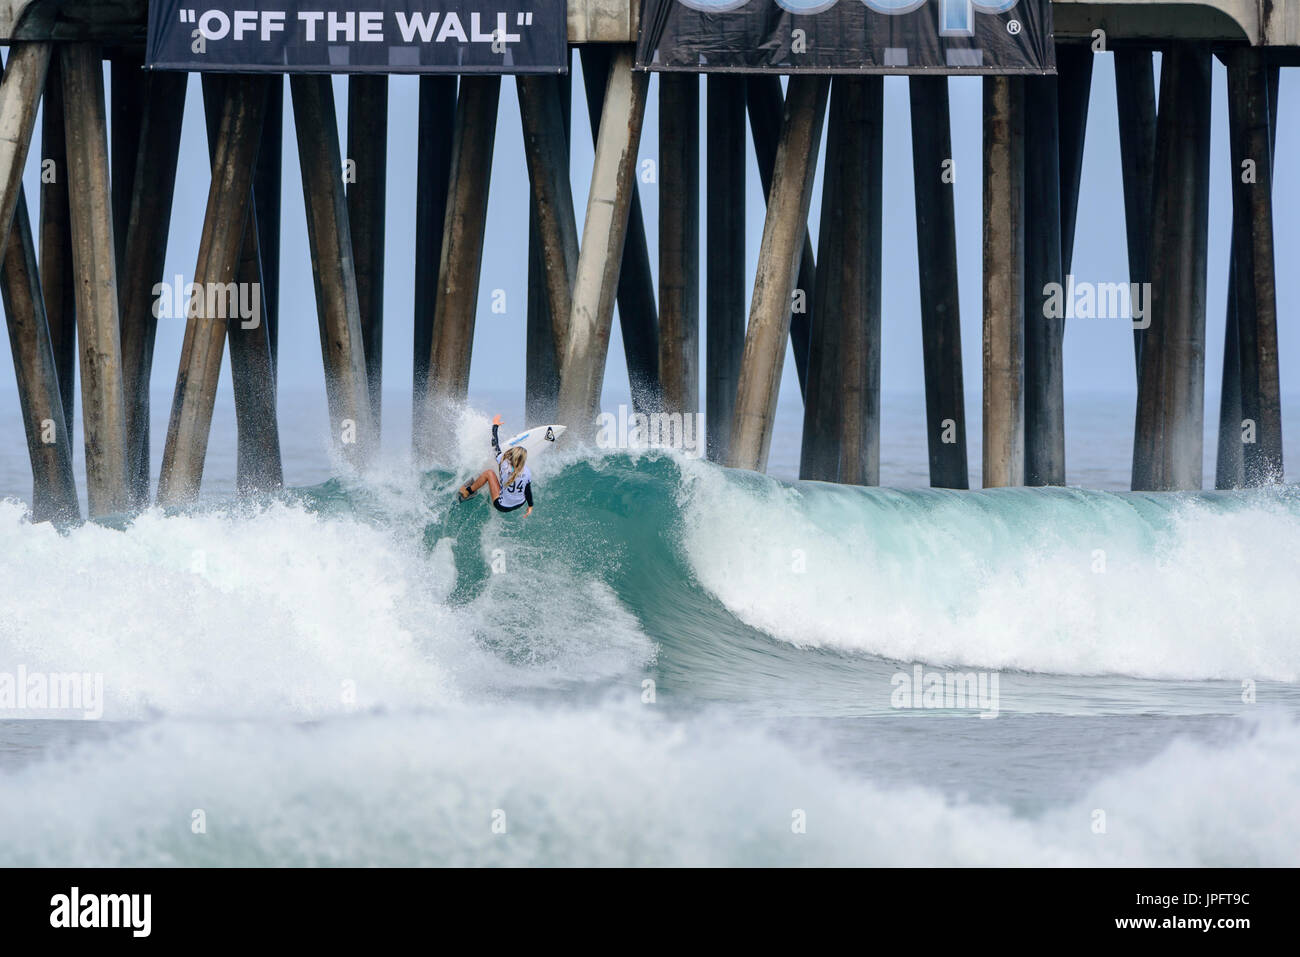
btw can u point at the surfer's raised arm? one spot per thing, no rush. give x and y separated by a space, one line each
496 443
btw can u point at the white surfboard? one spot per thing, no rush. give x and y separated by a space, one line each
536 440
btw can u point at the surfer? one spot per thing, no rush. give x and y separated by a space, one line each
511 483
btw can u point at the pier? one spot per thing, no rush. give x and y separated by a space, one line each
79 277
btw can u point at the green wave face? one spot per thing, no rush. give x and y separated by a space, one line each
806 597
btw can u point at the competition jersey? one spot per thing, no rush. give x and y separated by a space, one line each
512 495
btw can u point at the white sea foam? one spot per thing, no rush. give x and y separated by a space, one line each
1056 581
285 611
279 612
604 785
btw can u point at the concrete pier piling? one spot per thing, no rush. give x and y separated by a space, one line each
252 372
1135 94
604 232
462 256
544 114
819 451
1252 118
1004 292
220 253
433 160
80 293
267 185
841 434
338 307
147 228
128 83
1074 63
1230 461
724 293
20 96
55 242
46 424
933 176
679 242
765 104
103 401
637 311
1168 439
49 443
784 239
550 280
366 170
861 287
1044 331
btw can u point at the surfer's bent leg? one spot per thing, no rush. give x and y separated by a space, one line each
488 477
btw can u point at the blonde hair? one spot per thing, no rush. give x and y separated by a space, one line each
516 456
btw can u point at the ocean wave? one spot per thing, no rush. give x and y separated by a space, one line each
381 592
608 785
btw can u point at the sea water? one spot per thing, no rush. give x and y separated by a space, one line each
667 663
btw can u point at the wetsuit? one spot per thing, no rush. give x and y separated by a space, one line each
517 493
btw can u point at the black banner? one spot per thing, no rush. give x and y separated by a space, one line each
371 36
847 36
1235 909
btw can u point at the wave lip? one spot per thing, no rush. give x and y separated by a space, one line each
1042 580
